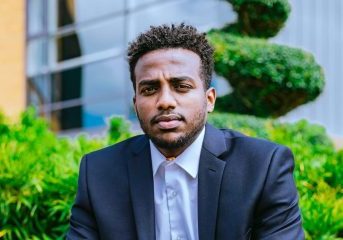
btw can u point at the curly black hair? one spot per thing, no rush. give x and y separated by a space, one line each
173 36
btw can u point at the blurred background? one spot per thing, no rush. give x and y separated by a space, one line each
67 57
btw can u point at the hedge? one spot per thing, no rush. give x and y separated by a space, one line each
259 18
38 173
267 79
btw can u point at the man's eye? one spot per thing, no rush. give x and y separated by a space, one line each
182 87
148 90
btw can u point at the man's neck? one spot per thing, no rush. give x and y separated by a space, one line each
175 152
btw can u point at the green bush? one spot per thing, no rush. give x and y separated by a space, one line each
318 172
259 18
119 129
267 79
38 173
38 176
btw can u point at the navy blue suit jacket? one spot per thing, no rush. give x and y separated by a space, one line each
245 191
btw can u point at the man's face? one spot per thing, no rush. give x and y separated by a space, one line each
170 100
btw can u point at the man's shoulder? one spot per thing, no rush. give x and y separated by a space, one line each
240 139
122 148
256 153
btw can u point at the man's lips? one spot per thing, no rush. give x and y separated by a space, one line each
168 121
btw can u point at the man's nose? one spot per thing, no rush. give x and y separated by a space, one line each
166 100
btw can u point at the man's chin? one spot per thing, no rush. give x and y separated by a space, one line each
171 142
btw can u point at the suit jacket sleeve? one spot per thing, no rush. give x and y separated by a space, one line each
277 212
82 221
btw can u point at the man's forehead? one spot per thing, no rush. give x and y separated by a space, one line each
172 54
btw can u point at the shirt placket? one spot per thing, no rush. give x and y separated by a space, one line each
172 193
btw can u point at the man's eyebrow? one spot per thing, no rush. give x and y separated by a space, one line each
148 82
181 79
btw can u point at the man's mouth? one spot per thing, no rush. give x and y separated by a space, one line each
168 121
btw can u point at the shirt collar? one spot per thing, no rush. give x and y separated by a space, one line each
188 160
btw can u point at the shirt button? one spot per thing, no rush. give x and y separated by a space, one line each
172 194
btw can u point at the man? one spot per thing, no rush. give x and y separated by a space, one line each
183 179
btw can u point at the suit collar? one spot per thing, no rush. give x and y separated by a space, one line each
214 141
140 144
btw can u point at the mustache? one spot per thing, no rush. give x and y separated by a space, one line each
169 116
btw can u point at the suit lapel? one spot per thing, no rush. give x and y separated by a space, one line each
211 170
142 189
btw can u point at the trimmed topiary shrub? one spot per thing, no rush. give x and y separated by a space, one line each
259 18
268 79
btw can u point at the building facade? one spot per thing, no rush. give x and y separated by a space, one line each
77 73
12 63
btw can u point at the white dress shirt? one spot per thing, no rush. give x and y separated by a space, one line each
176 192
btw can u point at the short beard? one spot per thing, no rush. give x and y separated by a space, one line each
181 142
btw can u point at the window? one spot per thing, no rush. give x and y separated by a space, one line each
36 17
83 41
76 69
69 12
92 85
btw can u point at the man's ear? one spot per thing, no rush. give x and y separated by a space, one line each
134 102
211 96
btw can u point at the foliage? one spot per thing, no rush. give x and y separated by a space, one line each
268 79
259 18
38 172
119 129
318 171
38 176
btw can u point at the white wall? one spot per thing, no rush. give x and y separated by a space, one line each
317 26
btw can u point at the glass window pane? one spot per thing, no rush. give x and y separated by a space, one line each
52 15
66 12
108 35
68 47
94 82
89 9
67 118
139 3
39 91
66 85
205 15
86 116
95 115
35 17
36 56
